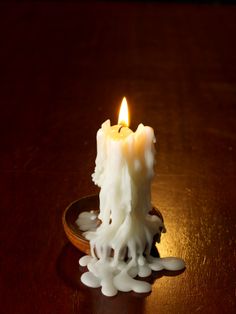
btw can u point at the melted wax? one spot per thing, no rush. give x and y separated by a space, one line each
116 273
121 244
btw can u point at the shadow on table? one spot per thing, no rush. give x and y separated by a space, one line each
91 300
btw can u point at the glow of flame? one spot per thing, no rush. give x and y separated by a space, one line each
124 114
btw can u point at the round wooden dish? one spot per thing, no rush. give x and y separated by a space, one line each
71 213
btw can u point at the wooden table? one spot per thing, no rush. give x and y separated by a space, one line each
64 70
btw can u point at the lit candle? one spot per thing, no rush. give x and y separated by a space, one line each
121 244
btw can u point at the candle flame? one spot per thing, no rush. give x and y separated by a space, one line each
124 114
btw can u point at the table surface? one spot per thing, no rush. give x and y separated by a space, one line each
64 71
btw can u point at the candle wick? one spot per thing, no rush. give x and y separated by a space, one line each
120 128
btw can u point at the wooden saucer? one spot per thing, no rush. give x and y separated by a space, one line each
71 213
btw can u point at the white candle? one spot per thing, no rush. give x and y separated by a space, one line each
120 246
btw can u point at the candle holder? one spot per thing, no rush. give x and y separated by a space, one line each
87 204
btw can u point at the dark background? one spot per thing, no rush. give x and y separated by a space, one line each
64 70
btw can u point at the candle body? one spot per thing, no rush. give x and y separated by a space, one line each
124 170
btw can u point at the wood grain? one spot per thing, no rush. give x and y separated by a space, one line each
64 70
